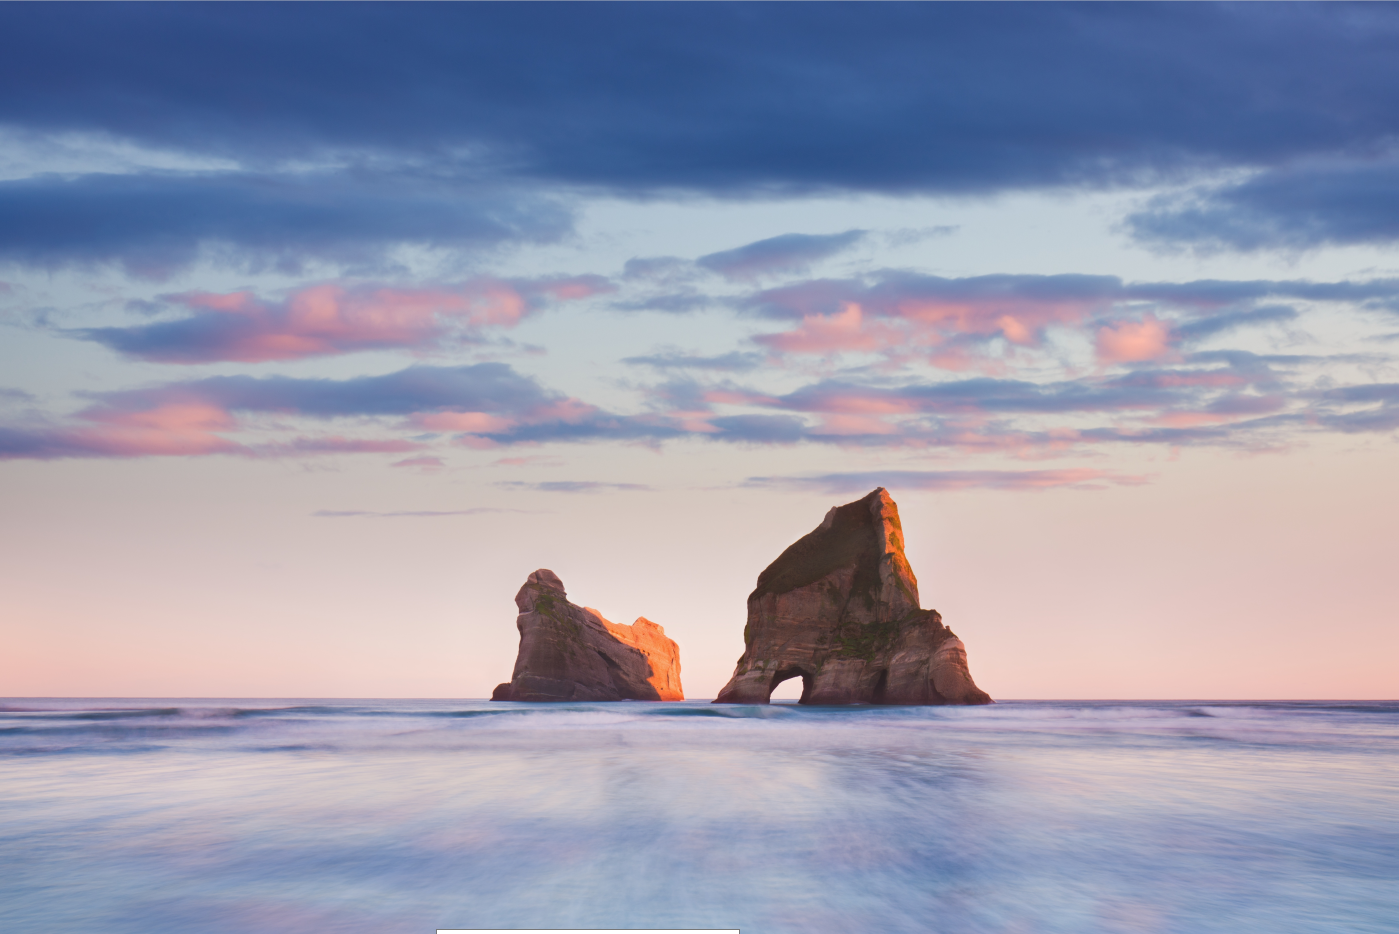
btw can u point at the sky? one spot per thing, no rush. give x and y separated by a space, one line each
322 326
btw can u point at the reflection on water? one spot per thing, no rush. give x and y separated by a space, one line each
266 817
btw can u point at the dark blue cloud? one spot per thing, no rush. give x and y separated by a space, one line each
987 395
153 224
1290 209
788 253
1211 325
888 292
734 361
723 98
1381 417
658 268
484 387
761 429
598 426
428 107
675 303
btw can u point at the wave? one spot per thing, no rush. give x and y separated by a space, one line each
71 725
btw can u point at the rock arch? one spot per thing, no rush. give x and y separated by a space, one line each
841 607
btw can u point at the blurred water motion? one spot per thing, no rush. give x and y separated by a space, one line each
263 817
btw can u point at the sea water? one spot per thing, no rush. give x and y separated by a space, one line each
264 817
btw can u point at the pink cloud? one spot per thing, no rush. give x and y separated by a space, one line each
988 323
856 425
470 422
822 334
185 431
950 333
330 318
564 410
1133 341
175 428
1019 321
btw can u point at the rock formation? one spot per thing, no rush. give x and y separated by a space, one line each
839 609
570 653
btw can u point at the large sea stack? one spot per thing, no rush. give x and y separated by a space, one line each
839 609
570 653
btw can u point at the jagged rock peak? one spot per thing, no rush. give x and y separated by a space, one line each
839 608
866 535
573 653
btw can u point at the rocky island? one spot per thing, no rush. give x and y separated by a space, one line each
571 653
839 609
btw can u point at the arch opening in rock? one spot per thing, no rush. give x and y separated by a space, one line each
787 674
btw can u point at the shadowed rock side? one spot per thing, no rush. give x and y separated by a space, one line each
570 653
839 609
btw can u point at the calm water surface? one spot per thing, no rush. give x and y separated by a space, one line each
264 817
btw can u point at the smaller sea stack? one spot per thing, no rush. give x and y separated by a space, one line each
839 609
571 653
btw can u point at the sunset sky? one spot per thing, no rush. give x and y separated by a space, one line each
324 326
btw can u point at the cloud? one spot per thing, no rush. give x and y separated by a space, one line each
1289 208
195 417
573 486
904 313
658 268
674 303
759 429
1133 341
155 224
1381 412
985 395
953 323
425 462
1204 398
1211 325
529 460
734 361
845 331
720 99
328 319
946 480
333 444
906 236
491 388
788 253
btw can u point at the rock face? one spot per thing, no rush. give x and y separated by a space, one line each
570 653
839 609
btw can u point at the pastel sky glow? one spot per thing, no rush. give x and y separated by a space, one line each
325 325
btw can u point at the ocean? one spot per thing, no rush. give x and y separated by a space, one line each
390 817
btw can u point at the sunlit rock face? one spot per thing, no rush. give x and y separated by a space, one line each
839 609
570 653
